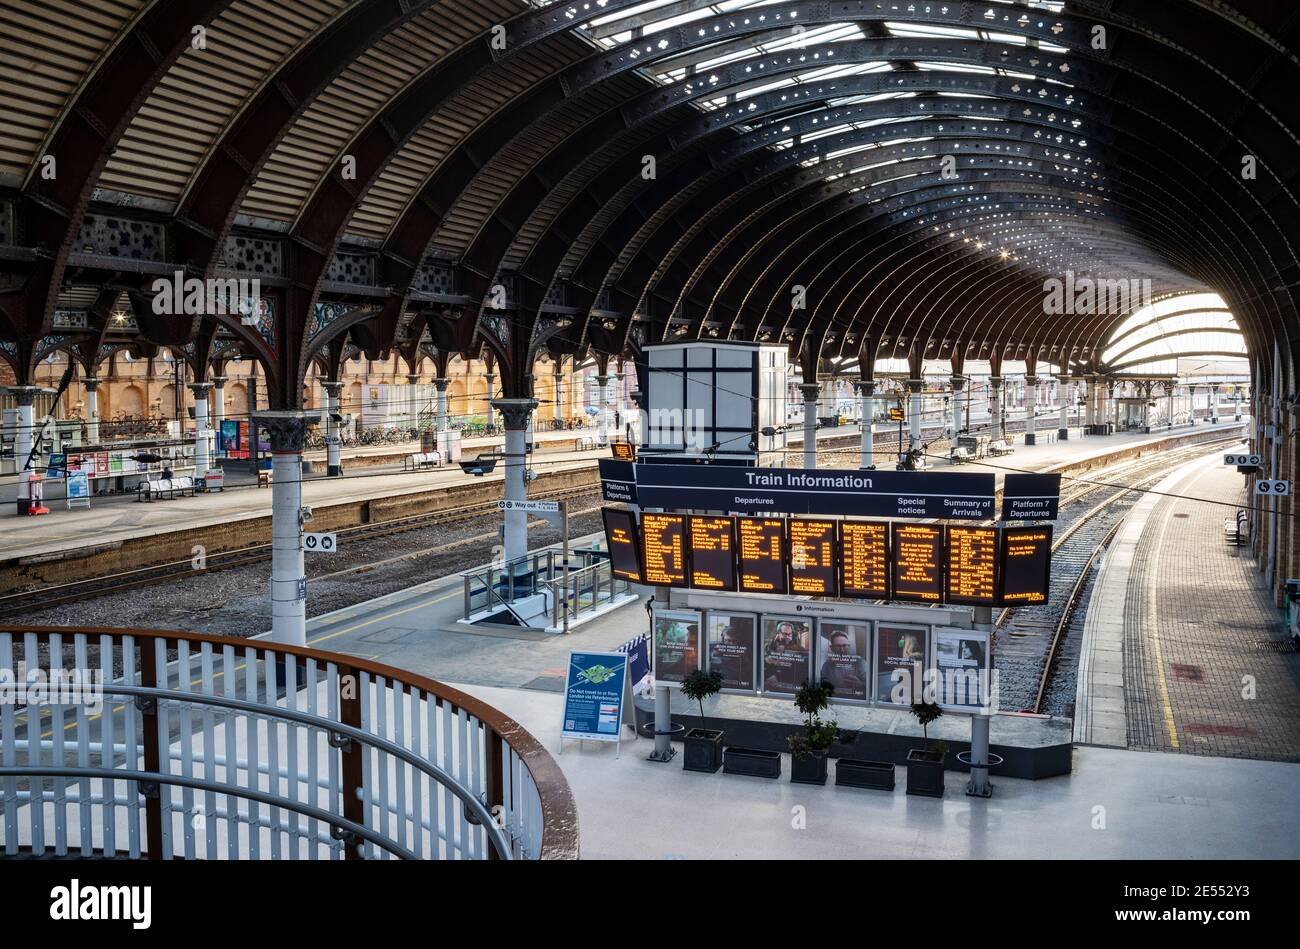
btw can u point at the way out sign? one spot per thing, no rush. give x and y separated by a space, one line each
1243 461
320 543
1277 488
530 507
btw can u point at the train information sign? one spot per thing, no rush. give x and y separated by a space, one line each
812 556
864 559
972 566
918 562
713 552
761 545
623 544
663 549
1026 565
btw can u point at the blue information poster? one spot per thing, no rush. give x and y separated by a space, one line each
593 695
78 489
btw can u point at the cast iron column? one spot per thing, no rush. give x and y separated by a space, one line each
915 436
92 410
1031 408
515 413
958 385
811 393
333 444
867 391
202 433
285 430
602 430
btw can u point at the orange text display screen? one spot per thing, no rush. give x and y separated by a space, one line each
1026 565
972 565
622 542
762 554
864 559
713 553
918 562
663 549
812 557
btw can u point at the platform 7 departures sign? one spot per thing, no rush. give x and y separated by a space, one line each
593 696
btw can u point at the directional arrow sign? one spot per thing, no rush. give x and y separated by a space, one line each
530 507
1277 488
1243 461
320 543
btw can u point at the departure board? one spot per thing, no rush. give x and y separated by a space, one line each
624 451
761 546
973 565
713 552
1026 565
663 549
864 559
918 554
622 543
812 556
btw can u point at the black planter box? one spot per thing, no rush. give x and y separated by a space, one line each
703 750
924 774
810 770
857 773
752 761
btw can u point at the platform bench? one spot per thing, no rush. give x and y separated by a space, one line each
164 488
422 459
265 477
1235 530
1000 447
584 443
959 455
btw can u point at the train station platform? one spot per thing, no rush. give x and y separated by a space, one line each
1183 647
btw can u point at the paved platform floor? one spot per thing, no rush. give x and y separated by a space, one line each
1183 648
1116 804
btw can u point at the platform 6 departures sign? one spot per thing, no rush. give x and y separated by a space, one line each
875 560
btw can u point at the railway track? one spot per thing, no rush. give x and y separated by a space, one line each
75 591
1029 638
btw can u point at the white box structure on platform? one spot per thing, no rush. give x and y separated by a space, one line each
715 399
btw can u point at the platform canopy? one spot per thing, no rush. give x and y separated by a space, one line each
908 179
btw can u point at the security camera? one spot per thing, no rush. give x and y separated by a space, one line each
305 516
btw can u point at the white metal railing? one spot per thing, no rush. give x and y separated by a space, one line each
167 744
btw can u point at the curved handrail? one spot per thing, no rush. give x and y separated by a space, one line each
439 775
559 812
201 784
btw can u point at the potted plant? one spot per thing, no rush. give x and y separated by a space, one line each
808 751
925 766
703 745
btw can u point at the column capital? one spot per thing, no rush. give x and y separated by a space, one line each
200 389
958 382
91 383
412 378
219 381
332 389
24 395
515 412
441 384
865 387
995 382
915 385
285 430
602 381
812 391
1031 380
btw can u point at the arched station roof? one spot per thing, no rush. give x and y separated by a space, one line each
865 178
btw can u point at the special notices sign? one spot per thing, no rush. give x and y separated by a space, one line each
918 562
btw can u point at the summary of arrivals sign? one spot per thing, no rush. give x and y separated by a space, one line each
799 491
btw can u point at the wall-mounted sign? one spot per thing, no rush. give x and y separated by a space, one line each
961 495
787 643
663 549
900 662
320 543
962 659
1243 461
845 651
617 480
732 648
1031 497
1275 488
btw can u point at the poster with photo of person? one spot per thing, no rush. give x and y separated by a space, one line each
843 649
732 649
900 662
962 661
677 645
787 645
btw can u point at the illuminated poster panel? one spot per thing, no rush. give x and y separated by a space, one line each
918 556
713 552
845 651
973 565
787 642
1026 565
623 543
762 554
663 549
812 556
962 659
732 649
864 559
677 645
900 662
